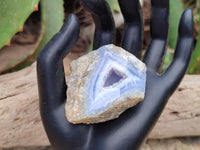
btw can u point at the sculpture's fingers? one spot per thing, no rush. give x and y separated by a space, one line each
52 88
178 67
132 36
159 34
133 126
105 27
51 78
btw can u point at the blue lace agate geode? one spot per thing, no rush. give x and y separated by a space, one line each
103 84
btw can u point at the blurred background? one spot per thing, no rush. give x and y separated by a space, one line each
27 25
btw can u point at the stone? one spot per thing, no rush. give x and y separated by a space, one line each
103 84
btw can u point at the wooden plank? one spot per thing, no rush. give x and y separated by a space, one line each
20 122
181 116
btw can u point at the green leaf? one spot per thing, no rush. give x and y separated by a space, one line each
113 5
168 59
52 12
13 14
52 21
176 10
194 66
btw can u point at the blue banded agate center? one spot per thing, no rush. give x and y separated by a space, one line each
114 76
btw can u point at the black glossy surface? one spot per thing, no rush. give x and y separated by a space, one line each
131 128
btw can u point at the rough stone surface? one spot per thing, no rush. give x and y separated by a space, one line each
103 84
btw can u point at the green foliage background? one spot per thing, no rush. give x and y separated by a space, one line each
13 14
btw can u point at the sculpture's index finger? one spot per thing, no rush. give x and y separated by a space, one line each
160 3
105 26
131 10
159 33
159 18
132 35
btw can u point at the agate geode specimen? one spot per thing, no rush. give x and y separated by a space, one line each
103 84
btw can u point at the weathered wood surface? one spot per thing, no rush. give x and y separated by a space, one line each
172 144
181 116
164 144
20 123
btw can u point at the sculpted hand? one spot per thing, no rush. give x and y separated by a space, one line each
132 127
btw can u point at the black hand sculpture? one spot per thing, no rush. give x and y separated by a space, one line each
131 128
